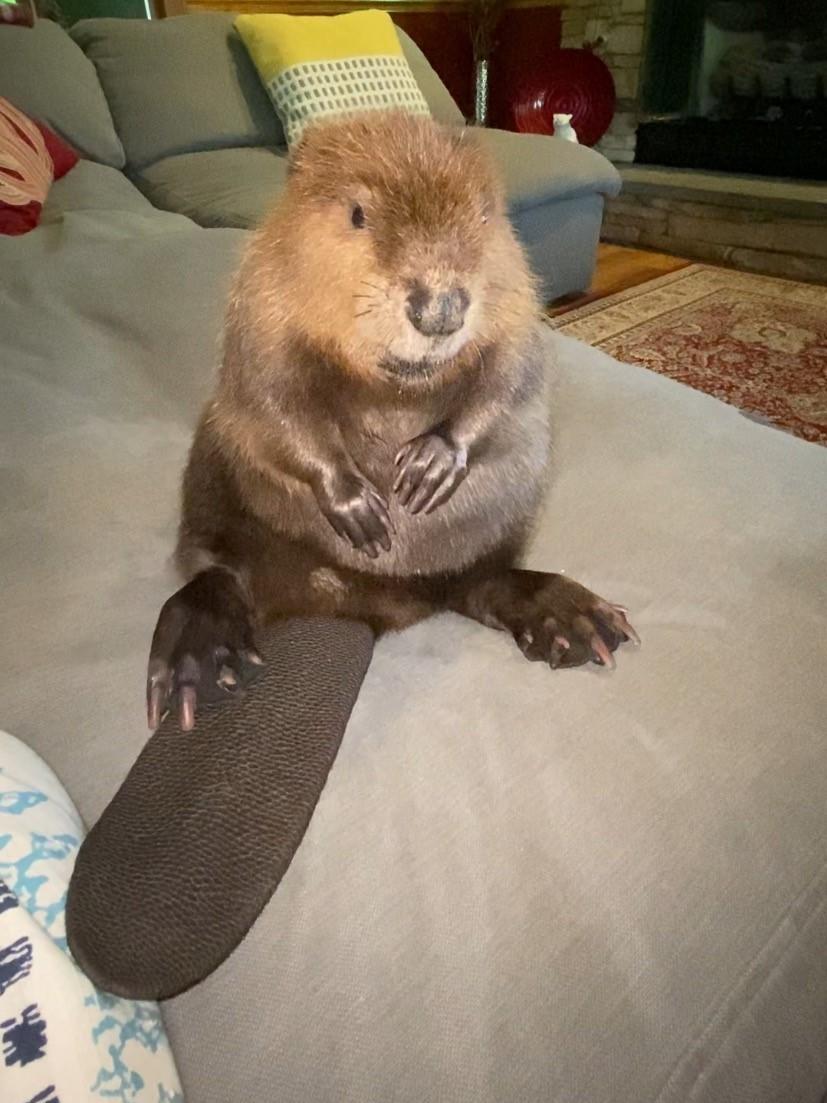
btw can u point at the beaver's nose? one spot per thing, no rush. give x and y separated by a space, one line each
440 314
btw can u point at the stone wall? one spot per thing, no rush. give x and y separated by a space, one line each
620 26
671 211
776 227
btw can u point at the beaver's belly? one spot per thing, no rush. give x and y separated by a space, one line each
492 506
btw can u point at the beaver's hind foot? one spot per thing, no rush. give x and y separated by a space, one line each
553 619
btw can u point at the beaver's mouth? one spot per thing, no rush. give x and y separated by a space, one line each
411 370
437 354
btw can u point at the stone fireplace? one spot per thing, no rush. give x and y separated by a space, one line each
720 130
617 28
724 85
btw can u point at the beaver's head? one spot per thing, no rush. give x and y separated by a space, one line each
398 246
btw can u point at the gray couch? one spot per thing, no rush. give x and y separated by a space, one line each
519 886
200 137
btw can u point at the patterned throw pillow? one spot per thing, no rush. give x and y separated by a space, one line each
20 12
61 1040
316 66
31 156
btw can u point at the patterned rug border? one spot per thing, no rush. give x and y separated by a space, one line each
683 285
580 312
773 384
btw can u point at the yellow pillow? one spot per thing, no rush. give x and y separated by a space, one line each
317 66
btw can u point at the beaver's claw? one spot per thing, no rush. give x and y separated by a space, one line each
202 649
358 513
431 467
564 624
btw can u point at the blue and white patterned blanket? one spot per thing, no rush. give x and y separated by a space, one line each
61 1040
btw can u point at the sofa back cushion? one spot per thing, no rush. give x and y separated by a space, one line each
439 99
179 85
44 74
187 84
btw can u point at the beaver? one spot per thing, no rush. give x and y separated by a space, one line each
377 442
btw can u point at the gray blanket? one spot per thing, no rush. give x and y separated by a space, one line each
583 886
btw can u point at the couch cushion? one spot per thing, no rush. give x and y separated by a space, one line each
577 887
92 187
519 885
44 73
439 99
538 168
221 187
234 187
179 85
141 66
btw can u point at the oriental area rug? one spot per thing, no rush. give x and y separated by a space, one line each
755 342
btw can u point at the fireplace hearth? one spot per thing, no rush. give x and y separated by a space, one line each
753 146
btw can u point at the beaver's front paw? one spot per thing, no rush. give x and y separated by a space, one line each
431 467
202 649
357 512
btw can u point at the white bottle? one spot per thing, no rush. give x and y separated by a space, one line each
563 128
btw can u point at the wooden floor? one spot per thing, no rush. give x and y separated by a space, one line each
619 268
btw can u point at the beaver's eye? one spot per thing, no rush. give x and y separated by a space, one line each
357 217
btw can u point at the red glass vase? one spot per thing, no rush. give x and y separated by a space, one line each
576 83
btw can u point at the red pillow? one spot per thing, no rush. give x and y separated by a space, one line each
31 157
62 154
20 12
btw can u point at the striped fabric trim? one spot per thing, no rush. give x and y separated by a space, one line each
328 89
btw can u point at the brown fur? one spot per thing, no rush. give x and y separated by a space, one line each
301 362
335 412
